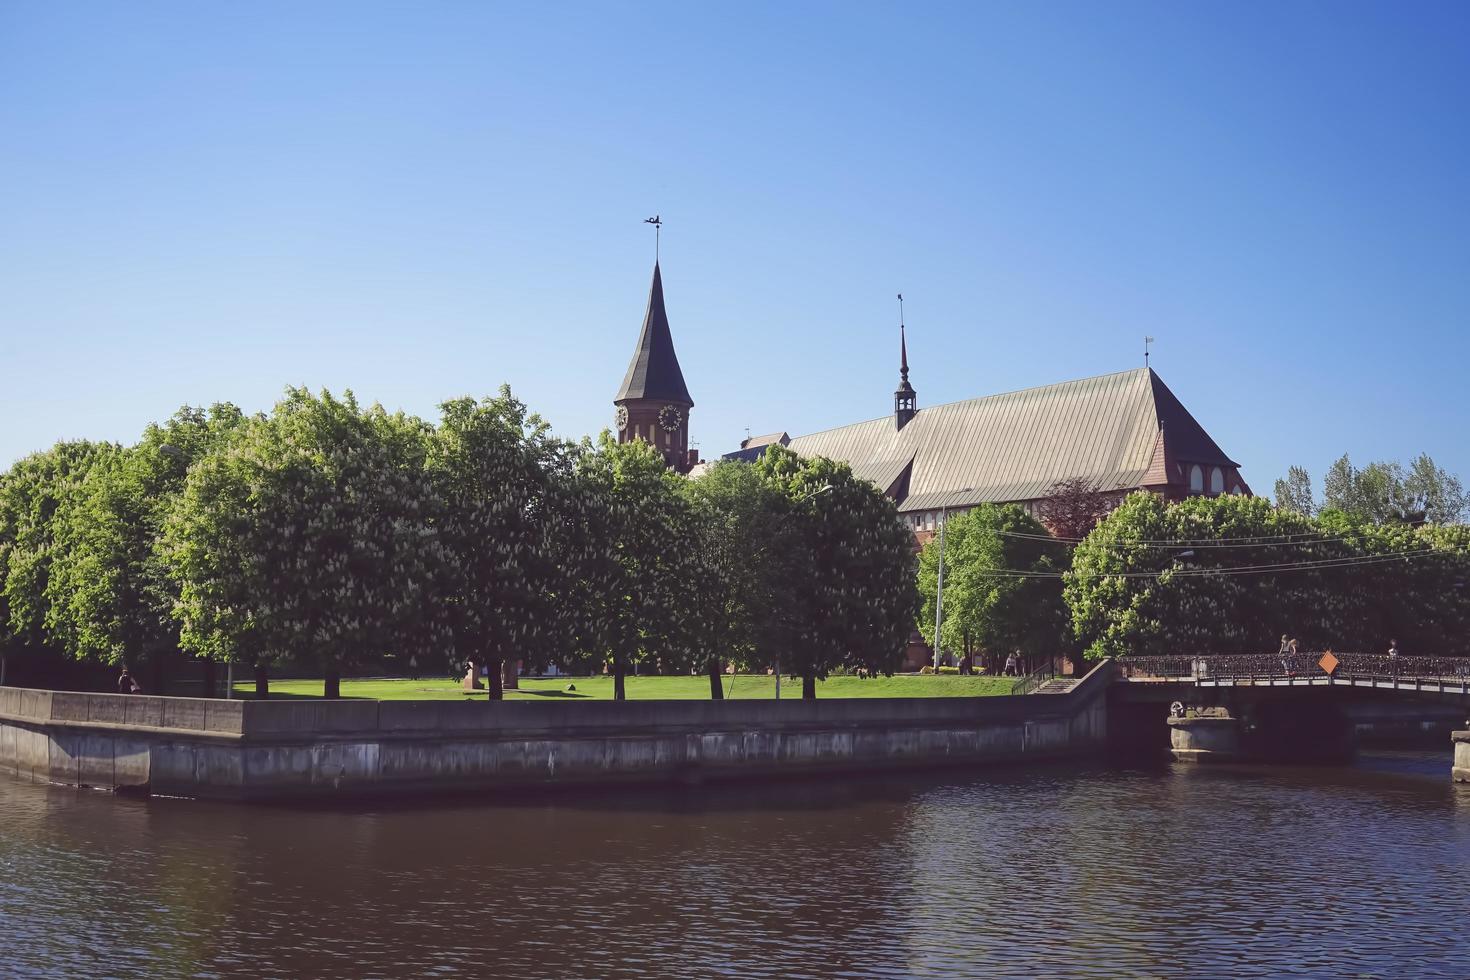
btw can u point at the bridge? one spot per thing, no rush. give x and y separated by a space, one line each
1413 675
1303 706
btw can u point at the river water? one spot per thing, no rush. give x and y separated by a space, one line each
1090 871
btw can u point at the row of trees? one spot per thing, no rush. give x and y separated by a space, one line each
328 534
1226 574
1424 492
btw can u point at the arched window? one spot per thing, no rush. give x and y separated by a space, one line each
1238 491
1217 480
1196 479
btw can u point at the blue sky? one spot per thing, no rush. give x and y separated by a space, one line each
208 201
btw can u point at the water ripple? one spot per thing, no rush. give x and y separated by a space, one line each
1076 872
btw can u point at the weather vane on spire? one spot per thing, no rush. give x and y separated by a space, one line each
1146 342
903 344
658 224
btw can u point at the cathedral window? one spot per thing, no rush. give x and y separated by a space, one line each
1196 479
1217 481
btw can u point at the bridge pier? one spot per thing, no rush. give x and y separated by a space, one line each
1262 731
1209 737
1461 769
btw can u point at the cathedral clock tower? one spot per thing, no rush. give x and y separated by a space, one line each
653 403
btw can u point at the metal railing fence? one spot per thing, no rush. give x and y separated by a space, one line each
1260 666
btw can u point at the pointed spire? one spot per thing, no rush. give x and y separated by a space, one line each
905 400
654 371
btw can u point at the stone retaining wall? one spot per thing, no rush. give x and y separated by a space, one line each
272 749
1461 771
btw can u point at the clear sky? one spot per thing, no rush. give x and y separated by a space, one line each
210 201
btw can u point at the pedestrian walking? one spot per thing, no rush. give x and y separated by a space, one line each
1011 664
413 667
126 684
1287 653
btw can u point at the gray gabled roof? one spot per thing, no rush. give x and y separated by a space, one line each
654 371
1017 446
882 473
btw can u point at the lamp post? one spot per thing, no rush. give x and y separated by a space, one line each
939 588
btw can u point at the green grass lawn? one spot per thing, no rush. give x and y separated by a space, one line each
653 688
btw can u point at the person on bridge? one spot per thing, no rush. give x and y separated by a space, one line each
1286 653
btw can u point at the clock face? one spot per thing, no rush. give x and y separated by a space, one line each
621 416
669 417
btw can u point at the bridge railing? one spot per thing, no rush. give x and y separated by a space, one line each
1253 666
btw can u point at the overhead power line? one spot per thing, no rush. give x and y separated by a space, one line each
1195 572
1262 542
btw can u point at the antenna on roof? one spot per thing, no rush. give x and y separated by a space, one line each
658 224
1146 342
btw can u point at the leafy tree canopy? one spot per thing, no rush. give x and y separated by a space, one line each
848 582
1231 574
987 606
310 531
1381 492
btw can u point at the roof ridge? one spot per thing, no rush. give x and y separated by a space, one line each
981 398
1054 384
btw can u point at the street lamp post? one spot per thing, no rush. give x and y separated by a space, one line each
939 588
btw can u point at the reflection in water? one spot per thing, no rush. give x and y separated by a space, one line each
1062 872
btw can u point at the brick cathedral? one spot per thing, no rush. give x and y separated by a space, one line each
1121 432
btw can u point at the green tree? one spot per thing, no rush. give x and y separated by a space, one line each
1430 490
1231 574
497 472
848 577
309 534
108 582
629 551
37 495
1381 492
738 558
1152 579
987 605
1294 492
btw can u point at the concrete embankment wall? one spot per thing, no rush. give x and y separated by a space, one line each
281 749
1461 769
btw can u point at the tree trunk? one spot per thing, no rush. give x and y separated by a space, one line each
332 684
2 670
809 686
262 682
155 671
716 685
209 678
497 679
620 690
